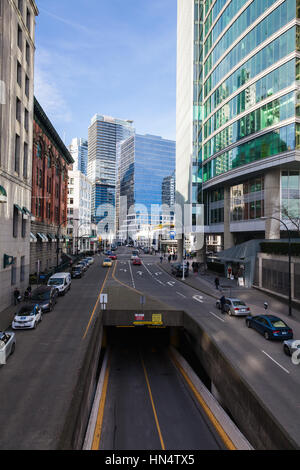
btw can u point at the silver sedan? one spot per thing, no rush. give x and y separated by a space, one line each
290 346
235 307
7 345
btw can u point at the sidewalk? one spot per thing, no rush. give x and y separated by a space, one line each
7 315
254 298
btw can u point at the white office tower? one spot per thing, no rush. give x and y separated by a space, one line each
79 151
104 134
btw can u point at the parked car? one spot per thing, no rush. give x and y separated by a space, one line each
107 263
235 307
27 318
270 327
7 345
45 297
290 346
137 261
90 260
61 281
83 265
77 271
176 268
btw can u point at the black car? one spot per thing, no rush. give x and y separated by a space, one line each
176 269
77 272
45 297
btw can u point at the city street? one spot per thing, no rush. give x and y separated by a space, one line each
263 364
37 382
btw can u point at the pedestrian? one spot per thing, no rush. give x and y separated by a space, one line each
17 296
169 258
188 265
27 294
161 259
217 283
222 302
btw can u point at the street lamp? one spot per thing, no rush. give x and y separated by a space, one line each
290 256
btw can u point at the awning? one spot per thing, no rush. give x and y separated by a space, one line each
27 213
42 237
18 208
52 237
3 195
33 238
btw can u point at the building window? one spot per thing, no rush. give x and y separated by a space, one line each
28 20
18 110
20 6
19 38
14 272
27 86
19 73
22 269
27 53
17 153
26 120
40 178
15 222
25 161
49 161
24 225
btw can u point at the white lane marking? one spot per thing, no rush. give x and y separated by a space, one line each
221 319
131 275
151 274
279 365
124 270
179 293
140 273
171 283
199 298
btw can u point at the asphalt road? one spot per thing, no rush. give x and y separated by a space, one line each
38 380
262 363
148 405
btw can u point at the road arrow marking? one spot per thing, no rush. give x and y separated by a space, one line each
198 298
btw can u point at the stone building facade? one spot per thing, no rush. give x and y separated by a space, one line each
50 160
17 48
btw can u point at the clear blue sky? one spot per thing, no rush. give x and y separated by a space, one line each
112 57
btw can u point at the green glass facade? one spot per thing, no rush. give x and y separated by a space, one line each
245 104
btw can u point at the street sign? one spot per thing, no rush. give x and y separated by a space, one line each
103 299
139 316
156 318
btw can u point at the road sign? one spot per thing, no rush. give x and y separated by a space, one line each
139 316
103 299
156 318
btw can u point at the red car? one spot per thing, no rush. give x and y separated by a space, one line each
113 256
137 261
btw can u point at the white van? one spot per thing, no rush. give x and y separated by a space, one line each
62 282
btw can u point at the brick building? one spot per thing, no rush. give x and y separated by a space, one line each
50 162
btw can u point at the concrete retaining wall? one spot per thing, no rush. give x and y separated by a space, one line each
73 434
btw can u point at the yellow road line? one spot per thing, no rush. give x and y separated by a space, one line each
223 435
153 407
96 304
99 422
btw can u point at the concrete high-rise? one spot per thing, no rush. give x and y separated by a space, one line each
238 136
17 48
104 134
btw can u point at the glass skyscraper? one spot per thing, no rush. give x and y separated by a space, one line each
238 127
104 134
79 151
145 162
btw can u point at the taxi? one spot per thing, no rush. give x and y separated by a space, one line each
107 263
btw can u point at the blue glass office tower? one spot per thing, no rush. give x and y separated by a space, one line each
238 127
144 164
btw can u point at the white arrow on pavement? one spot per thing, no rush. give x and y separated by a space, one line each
198 298
171 283
140 273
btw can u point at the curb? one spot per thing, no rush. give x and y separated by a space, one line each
190 285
